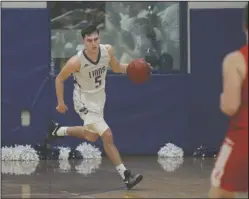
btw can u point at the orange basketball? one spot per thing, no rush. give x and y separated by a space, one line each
138 71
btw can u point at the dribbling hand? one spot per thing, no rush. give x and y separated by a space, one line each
61 108
149 64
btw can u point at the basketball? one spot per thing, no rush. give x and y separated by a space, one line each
138 71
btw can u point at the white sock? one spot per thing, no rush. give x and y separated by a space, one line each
121 168
62 131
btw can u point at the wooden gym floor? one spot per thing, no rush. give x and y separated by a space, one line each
167 178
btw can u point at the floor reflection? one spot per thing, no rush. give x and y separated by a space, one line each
84 167
98 178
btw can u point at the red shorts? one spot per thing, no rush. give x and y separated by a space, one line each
231 168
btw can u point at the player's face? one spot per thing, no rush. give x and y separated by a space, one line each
91 42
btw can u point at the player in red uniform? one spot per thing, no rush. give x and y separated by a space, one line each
230 173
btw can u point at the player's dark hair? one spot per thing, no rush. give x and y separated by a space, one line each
245 19
89 30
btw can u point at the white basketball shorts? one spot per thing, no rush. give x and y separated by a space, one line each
90 107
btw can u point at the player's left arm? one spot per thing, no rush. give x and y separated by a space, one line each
233 77
114 63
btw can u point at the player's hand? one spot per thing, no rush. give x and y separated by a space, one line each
151 68
150 65
61 108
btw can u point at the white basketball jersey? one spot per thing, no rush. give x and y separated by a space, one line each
91 77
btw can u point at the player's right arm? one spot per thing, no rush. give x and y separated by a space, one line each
234 70
71 66
114 63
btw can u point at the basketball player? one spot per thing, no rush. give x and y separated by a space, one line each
230 173
89 68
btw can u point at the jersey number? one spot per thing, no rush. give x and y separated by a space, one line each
97 81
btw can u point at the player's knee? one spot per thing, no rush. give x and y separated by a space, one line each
92 137
107 137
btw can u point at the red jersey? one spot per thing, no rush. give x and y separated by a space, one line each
231 168
239 122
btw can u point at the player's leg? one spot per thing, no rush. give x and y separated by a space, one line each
113 154
82 132
91 132
230 173
56 131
